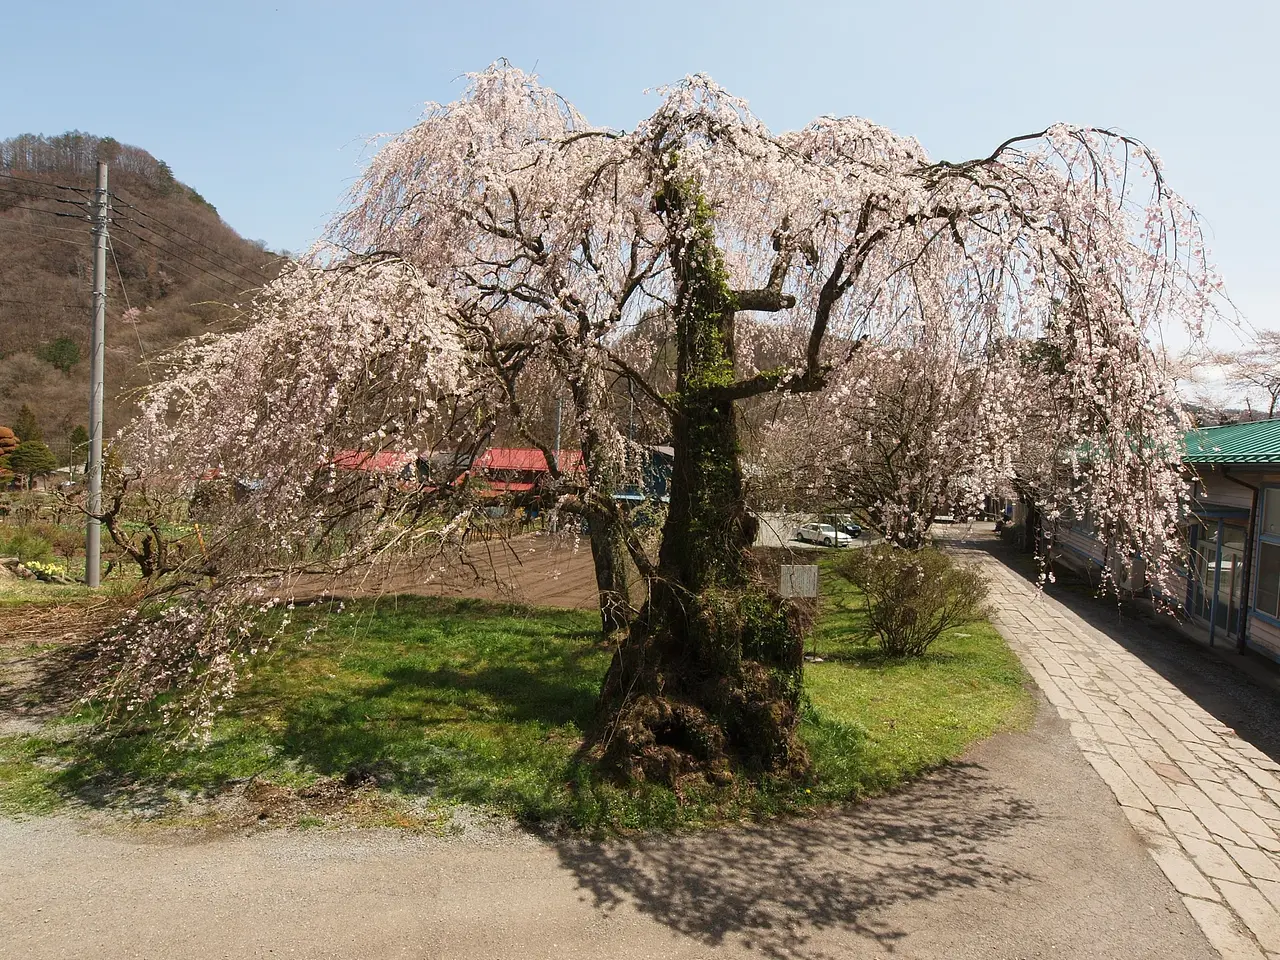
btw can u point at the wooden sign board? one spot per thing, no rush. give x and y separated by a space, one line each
799 580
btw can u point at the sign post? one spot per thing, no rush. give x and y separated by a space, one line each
799 580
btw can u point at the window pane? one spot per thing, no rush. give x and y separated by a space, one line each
1268 599
1271 512
1206 554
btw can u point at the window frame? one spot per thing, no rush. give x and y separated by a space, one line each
1270 539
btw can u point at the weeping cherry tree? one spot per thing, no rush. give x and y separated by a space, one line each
504 247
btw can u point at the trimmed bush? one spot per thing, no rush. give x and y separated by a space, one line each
913 596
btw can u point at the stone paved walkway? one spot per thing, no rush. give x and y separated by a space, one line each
1206 802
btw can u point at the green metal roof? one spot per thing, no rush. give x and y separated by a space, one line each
1255 442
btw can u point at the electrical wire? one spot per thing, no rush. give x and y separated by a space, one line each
52 213
45 183
169 253
201 243
8 222
44 236
157 245
175 270
38 196
42 225
45 303
238 277
128 307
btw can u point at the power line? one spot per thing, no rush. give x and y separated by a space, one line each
45 183
128 307
250 280
7 222
171 267
195 266
214 265
169 240
30 224
38 196
198 242
195 253
52 213
45 303
45 236
195 240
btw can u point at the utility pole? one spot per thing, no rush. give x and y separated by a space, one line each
93 532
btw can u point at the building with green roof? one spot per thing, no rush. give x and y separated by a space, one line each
1233 578
1256 442
1230 589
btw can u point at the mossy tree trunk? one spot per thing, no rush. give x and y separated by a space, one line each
707 681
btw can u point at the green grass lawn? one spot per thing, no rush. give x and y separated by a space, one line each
459 701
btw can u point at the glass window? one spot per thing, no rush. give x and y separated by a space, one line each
1268 599
1271 513
1204 556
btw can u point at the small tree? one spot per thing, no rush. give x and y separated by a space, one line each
78 442
26 426
1255 370
32 459
913 596
8 444
63 353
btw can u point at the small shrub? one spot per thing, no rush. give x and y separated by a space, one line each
25 545
912 596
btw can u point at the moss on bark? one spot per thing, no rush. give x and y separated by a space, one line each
707 681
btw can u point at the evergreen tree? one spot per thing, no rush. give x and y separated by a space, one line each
32 459
26 426
79 442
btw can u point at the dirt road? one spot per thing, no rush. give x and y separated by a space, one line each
537 568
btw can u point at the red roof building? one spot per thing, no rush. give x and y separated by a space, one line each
523 470
383 461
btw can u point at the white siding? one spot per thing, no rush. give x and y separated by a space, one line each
1078 551
1175 590
1265 637
1217 490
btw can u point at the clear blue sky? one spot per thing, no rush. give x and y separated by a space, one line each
264 106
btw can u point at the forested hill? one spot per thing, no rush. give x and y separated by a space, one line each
172 258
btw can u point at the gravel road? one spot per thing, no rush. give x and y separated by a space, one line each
1017 852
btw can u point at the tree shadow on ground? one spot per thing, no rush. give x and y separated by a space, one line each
1226 690
385 732
773 888
333 735
41 686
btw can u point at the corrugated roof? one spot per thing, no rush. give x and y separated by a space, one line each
515 458
383 461
1254 442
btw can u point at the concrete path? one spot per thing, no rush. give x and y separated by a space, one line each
1205 802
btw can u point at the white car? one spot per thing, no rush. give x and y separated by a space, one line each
823 533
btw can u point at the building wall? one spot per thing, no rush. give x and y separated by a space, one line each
1214 488
1078 551
1265 637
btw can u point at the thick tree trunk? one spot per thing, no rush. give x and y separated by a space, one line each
707 682
608 551
613 581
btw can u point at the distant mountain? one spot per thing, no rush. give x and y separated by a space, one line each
172 258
